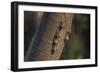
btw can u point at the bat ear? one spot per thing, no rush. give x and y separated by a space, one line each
62 24
67 36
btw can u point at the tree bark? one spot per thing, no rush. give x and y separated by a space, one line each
48 42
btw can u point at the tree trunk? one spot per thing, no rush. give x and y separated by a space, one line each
48 42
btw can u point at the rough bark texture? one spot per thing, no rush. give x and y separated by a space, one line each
42 44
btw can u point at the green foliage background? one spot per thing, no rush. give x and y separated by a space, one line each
78 46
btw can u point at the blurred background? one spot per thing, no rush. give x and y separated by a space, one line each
78 45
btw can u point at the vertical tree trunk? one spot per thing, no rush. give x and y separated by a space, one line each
49 39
